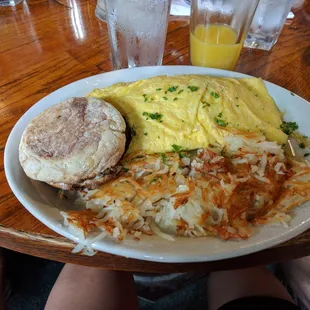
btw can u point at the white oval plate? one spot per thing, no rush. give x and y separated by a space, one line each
41 200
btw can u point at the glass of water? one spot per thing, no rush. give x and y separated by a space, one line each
9 2
267 23
137 31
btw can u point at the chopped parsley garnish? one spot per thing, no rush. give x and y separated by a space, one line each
237 98
165 98
220 121
155 116
125 169
172 88
153 180
237 105
307 154
223 152
175 99
215 95
205 104
176 148
158 89
289 127
292 94
302 145
163 157
305 137
256 95
192 88
182 120
145 133
180 91
181 155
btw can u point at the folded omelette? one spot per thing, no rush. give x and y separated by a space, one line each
187 112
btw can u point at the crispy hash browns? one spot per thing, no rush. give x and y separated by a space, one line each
223 191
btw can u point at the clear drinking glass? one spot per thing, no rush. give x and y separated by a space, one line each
267 23
137 31
9 2
218 29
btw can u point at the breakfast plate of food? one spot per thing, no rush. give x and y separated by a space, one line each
169 164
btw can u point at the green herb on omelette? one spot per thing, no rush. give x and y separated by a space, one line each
172 88
192 88
154 116
215 95
220 121
289 127
205 104
176 148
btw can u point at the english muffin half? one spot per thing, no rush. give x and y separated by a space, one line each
74 144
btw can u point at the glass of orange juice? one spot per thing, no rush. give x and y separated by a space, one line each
218 29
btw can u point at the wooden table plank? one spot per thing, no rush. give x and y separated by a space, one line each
45 46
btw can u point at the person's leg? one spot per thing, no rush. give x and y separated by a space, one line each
297 277
87 288
225 286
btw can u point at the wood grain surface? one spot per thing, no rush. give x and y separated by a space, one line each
45 45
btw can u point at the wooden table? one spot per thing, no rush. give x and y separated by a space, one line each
45 45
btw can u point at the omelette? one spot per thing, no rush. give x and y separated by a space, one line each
188 112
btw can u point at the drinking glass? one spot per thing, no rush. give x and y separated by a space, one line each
137 31
218 29
9 2
267 23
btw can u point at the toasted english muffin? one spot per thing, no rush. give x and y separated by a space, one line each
73 142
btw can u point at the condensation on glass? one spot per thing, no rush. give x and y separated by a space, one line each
137 31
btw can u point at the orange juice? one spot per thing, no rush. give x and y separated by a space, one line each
215 46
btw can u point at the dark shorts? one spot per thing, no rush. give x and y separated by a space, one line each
259 303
